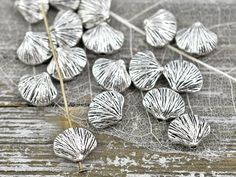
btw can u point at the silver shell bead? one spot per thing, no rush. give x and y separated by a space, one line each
38 90
34 49
65 4
164 103
183 76
94 12
71 62
188 130
67 28
145 70
111 74
74 144
106 109
160 28
196 40
30 9
103 39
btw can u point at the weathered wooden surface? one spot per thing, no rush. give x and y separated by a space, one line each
27 133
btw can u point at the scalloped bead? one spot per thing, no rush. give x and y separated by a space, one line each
105 109
111 75
196 40
188 130
38 90
164 103
183 76
74 144
160 28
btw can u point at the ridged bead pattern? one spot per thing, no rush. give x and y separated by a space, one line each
160 28
111 74
196 40
71 62
164 103
103 39
188 130
144 70
34 49
74 144
183 76
105 109
94 12
30 9
38 90
67 28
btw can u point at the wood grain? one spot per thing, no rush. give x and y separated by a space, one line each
27 133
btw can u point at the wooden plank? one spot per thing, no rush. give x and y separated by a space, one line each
26 149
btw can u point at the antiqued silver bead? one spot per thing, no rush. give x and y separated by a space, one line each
188 130
145 70
103 39
65 4
74 144
106 109
111 74
38 90
160 28
67 28
30 9
183 76
196 40
94 12
164 103
71 62
34 49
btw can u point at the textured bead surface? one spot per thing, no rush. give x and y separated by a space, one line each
145 70
30 9
65 4
160 28
34 49
183 76
196 40
38 89
103 39
106 109
188 130
71 62
67 28
111 74
164 103
94 12
74 144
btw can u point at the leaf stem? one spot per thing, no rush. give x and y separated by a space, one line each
137 29
54 53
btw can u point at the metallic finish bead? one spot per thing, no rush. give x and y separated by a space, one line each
111 75
196 40
164 103
106 109
183 76
145 70
65 4
38 90
188 130
94 12
160 28
34 50
103 39
30 9
74 144
67 28
71 62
